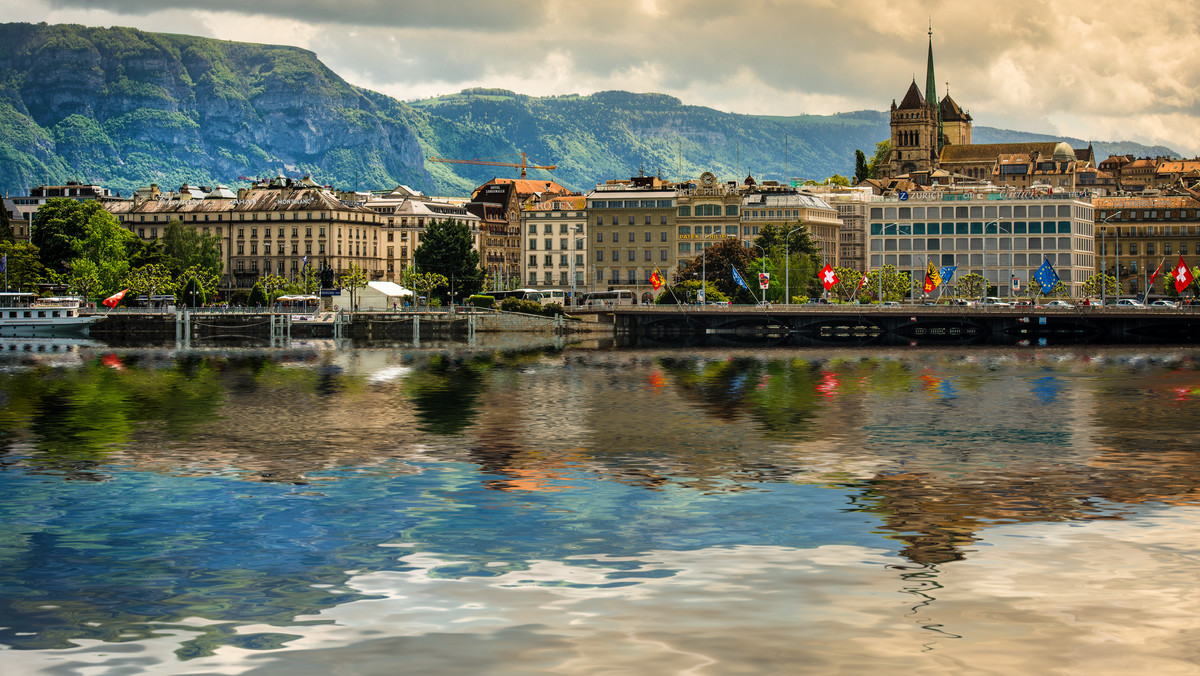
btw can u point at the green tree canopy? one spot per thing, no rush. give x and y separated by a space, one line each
882 150
149 280
6 233
24 266
183 247
446 249
714 264
861 172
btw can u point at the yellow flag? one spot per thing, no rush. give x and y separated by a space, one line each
933 275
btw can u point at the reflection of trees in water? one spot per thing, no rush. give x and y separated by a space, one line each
445 393
780 395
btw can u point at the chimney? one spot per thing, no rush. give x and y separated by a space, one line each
242 194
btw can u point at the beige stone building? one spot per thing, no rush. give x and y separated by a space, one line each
1135 234
404 214
555 234
632 228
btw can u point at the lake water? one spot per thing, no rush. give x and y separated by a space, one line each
599 511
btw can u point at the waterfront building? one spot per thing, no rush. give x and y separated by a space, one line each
555 240
273 227
1135 234
1132 174
1002 237
851 205
497 203
23 208
707 210
782 206
632 226
404 213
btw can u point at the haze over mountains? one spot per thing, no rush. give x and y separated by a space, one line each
126 108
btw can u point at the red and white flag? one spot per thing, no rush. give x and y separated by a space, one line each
1155 275
1183 276
828 277
861 282
112 300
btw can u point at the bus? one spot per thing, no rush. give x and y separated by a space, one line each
520 294
553 296
608 298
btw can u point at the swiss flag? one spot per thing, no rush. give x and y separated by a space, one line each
828 277
1183 276
112 300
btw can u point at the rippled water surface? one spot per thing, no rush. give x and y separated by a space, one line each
587 511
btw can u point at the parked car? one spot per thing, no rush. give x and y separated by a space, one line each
1059 304
992 301
1170 304
1129 302
891 303
1023 303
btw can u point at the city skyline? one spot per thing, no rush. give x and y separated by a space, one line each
1103 71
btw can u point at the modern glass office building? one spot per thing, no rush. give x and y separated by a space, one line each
1002 236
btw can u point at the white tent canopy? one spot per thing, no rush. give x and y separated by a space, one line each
379 295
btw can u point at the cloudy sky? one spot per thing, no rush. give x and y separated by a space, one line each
1090 69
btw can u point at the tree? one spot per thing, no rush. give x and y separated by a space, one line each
1092 286
446 250
895 284
71 234
882 150
688 291
24 267
972 286
861 172
422 282
354 279
200 280
272 285
805 259
838 179
6 233
714 265
184 247
258 296
149 280
848 280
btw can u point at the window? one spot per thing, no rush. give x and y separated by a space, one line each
547 260
632 237
684 211
649 257
647 235
533 244
533 228
547 229
562 243
532 260
631 255
599 236
599 256
615 238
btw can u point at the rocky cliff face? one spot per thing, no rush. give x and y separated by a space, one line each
126 108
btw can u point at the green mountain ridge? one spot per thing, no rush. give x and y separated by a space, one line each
125 108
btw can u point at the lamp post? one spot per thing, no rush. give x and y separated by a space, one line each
999 230
1104 258
883 231
574 252
764 268
787 267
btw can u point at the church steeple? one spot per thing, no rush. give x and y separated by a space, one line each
931 98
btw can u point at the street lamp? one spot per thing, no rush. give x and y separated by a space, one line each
787 266
999 230
575 252
1104 258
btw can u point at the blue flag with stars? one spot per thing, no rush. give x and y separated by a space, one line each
1046 277
947 273
737 279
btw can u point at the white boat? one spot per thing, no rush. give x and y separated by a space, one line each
24 314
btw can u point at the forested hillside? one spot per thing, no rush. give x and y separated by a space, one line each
126 108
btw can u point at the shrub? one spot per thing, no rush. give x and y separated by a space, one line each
481 301
518 305
552 309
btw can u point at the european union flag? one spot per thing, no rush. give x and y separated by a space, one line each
947 273
737 279
1046 277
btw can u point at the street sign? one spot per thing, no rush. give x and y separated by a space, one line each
325 293
764 280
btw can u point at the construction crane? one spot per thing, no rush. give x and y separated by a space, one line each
523 165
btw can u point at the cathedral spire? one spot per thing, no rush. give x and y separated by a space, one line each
931 98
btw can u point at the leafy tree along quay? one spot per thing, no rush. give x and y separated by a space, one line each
446 250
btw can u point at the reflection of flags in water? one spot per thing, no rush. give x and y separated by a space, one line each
737 279
1046 277
656 280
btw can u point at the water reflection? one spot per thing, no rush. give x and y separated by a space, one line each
245 500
